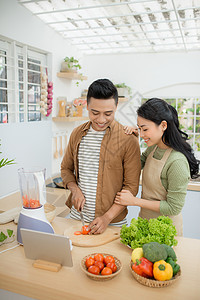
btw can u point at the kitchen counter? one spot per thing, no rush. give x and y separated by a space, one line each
17 274
194 185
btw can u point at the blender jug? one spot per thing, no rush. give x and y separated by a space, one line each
33 194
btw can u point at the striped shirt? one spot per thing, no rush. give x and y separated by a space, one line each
88 164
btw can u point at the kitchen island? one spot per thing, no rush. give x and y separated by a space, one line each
19 276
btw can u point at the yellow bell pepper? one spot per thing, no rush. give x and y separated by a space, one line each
162 271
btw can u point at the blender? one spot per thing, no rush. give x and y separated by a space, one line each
33 194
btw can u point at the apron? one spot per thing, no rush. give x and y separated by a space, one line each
152 188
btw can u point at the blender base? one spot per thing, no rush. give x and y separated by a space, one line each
33 220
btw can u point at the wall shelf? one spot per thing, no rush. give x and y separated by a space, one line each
69 119
72 76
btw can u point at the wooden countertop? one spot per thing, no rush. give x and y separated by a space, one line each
17 274
194 186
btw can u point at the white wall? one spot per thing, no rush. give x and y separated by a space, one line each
178 72
31 143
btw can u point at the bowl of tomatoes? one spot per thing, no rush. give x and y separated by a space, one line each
101 266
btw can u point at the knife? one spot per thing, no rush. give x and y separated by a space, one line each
82 220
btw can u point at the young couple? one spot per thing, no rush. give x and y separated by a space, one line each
102 163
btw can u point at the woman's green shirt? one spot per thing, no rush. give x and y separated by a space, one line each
174 177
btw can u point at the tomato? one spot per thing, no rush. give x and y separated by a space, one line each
99 257
106 271
109 259
84 229
112 266
89 262
77 232
99 264
94 270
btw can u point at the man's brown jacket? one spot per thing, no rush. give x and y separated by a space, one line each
119 166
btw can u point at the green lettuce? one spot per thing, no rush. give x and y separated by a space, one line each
142 231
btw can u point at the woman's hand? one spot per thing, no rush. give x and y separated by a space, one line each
124 198
130 130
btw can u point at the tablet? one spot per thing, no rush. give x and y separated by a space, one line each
47 246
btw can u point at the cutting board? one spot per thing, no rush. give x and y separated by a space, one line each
92 240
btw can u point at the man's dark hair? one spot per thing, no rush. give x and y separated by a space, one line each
102 89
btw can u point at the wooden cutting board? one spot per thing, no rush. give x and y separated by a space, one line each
93 240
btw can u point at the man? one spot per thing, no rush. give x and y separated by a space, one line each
100 161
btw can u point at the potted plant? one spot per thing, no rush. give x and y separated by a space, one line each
70 64
5 161
123 89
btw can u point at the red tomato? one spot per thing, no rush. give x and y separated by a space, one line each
94 270
84 229
89 262
99 257
109 259
77 232
99 264
112 266
106 271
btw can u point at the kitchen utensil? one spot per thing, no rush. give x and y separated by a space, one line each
91 240
33 193
153 282
56 152
82 220
61 150
101 277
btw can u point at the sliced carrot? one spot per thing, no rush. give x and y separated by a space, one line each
77 232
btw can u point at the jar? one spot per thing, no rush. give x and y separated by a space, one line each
61 104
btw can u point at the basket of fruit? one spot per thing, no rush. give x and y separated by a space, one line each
101 266
155 265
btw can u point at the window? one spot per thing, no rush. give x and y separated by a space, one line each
20 82
189 117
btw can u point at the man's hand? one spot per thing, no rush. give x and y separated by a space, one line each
99 225
78 199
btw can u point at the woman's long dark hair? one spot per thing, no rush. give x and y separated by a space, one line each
157 110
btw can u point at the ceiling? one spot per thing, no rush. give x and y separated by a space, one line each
114 26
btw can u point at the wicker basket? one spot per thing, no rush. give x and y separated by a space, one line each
153 282
101 277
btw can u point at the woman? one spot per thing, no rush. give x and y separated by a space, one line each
168 163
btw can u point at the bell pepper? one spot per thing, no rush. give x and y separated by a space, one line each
174 265
143 267
162 271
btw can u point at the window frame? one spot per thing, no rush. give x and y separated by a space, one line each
193 134
19 106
